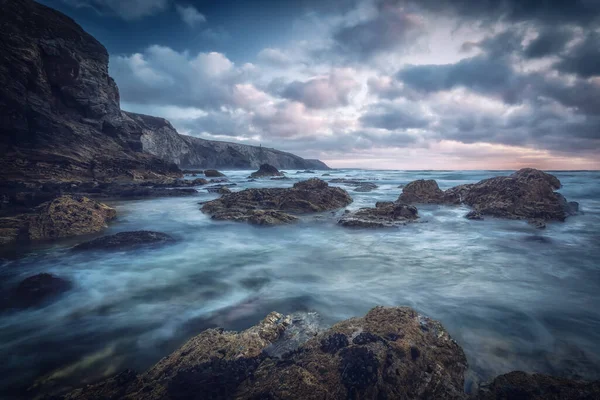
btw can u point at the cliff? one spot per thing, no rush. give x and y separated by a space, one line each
161 139
60 116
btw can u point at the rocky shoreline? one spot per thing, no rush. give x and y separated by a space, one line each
390 353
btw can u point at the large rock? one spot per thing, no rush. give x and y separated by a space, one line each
62 217
421 191
69 216
520 385
313 195
124 240
527 194
36 290
391 353
385 214
265 170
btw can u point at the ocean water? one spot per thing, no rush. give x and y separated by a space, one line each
515 298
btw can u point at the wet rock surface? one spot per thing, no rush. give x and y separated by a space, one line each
384 215
64 216
390 353
366 187
526 194
265 170
35 291
271 206
213 173
521 385
125 240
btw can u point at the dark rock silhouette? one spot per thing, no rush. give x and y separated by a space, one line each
35 291
385 214
124 240
265 170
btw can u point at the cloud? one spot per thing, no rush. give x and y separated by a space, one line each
548 42
275 57
190 15
161 75
392 117
584 58
126 9
390 28
330 91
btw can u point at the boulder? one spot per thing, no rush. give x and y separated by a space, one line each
527 194
385 214
422 192
36 290
265 170
123 240
69 216
521 385
213 173
391 353
307 171
313 195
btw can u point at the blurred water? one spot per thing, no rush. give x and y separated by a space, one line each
511 299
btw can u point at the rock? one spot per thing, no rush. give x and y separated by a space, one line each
192 172
212 173
264 171
391 353
474 215
326 175
366 187
220 180
224 190
307 171
421 192
527 194
537 223
531 174
348 182
520 385
218 189
281 178
124 240
313 195
385 214
36 290
69 216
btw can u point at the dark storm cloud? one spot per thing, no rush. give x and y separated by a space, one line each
549 42
393 117
578 12
480 74
390 29
584 58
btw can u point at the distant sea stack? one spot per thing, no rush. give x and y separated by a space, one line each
60 116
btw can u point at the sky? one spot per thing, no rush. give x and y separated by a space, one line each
380 84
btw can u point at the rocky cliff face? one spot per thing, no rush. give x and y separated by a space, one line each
59 108
161 139
60 117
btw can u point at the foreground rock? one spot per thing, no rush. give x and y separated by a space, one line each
390 353
526 194
520 385
62 217
35 290
265 170
213 173
385 214
124 240
271 206
366 187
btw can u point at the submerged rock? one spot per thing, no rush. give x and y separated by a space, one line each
385 214
264 171
392 352
212 173
474 215
36 290
366 187
270 206
527 194
124 240
521 385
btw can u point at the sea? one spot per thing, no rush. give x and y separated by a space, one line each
514 297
